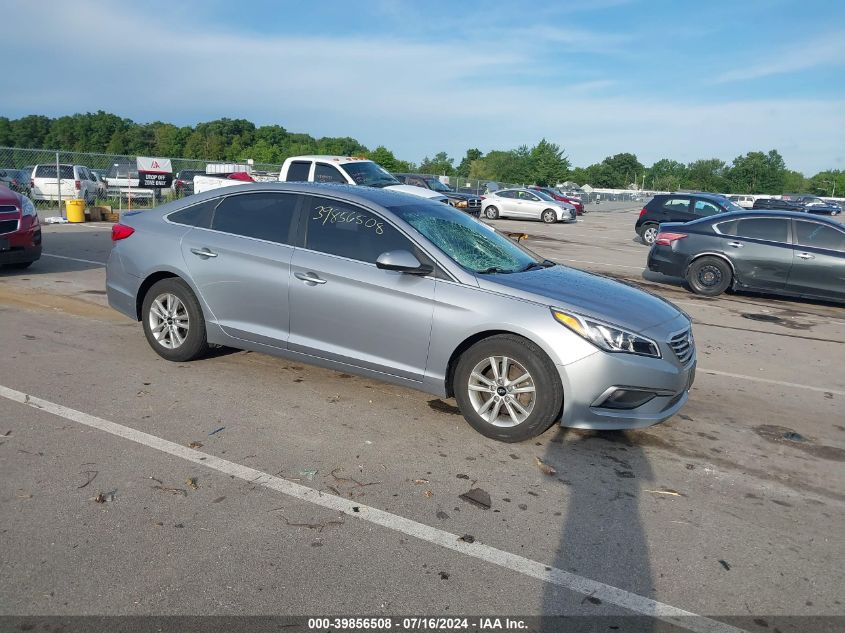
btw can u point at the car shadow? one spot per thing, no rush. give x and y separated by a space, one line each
602 535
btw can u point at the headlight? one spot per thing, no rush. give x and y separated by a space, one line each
608 337
27 208
461 204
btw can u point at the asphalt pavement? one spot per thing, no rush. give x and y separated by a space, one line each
246 484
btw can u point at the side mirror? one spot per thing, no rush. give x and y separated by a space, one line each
402 262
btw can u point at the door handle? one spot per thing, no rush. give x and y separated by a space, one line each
735 244
309 278
203 252
806 256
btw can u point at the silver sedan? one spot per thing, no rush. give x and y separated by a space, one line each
405 290
527 204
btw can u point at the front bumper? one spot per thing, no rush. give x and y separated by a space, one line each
586 381
21 246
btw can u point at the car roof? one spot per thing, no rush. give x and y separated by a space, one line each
353 193
762 213
332 159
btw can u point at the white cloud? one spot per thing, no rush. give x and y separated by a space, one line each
822 50
416 98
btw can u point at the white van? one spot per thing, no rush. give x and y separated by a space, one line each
74 181
746 202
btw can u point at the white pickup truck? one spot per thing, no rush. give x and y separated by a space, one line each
351 171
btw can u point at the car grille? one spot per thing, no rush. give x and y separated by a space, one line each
474 203
683 345
8 226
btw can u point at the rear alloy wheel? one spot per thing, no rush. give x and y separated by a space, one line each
491 213
173 321
549 216
649 233
709 276
507 388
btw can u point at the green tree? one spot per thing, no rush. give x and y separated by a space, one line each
471 155
707 175
619 171
385 158
548 164
666 175
440 165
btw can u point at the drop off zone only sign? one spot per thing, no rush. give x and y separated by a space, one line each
154 172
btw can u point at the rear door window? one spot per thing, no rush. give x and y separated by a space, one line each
298 171
262 215
819 236
704 208
345 230
676 205
327 173
770 229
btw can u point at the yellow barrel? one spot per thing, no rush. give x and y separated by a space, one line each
75 210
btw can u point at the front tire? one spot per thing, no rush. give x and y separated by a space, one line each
709 276
507 388
548 216
173 321
491 213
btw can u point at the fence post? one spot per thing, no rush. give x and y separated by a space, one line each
59 185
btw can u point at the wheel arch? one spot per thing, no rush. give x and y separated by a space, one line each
148 283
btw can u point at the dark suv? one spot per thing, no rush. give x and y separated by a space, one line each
679 207
464 201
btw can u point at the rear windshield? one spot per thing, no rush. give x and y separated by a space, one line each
49 171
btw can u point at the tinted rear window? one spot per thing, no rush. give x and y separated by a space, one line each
263 215
771 229
49 171
196 215
676 204
819 236
298 171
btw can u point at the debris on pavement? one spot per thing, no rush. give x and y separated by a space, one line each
55 219
725 564
544 467
311 526
441 515
444 575
428 494
477 497
462 476
7 434
218 499
420 482
192 483
100 498
216 431
668 492
91 474
195 445
173 491
467 538
355 482
308 473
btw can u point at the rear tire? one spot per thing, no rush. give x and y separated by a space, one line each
649 233
548 216
526 398
709 276
173 321
491 213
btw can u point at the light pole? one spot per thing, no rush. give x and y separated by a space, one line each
833 187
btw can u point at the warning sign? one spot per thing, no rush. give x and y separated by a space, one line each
154 172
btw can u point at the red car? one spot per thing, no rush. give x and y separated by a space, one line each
20 231
579 206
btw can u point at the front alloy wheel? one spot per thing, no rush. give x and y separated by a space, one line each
501 391
549 216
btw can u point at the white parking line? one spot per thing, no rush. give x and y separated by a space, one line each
769 381
487 553
74 259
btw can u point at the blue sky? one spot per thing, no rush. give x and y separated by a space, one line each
681 80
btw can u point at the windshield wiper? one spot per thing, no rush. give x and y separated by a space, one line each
546 263
494 269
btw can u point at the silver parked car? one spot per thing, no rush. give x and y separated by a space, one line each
527 204
406 290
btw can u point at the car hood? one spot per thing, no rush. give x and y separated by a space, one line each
422 192
588 294
455 195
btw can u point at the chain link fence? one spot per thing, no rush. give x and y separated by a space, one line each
51 177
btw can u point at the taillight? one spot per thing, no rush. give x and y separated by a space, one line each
121 232
643 212
666 239
78 185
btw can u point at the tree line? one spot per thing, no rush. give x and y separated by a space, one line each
544 164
